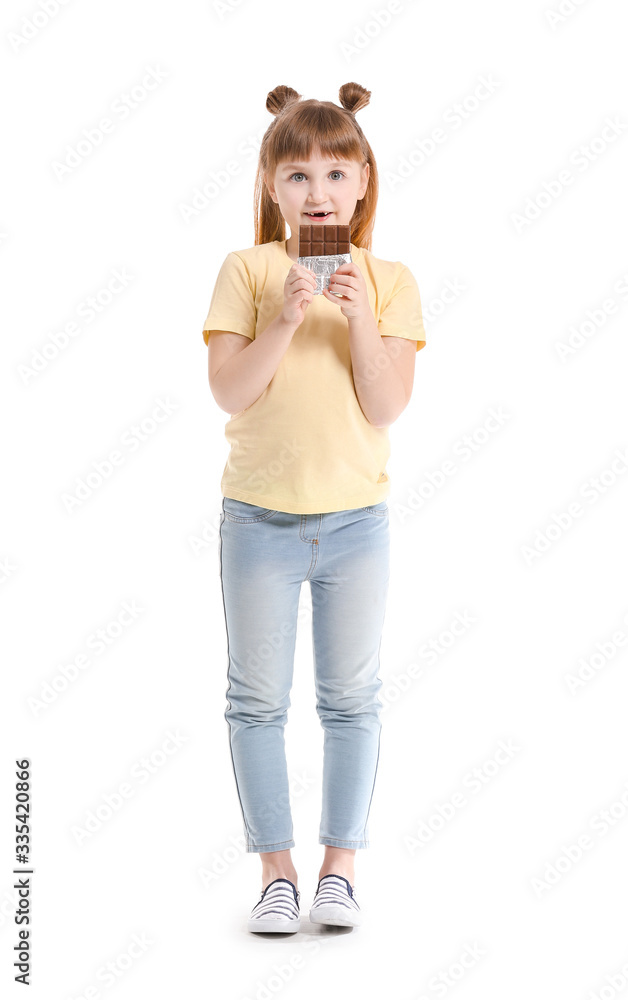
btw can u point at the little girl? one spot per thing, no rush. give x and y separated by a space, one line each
312 383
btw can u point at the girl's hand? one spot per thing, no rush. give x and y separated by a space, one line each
349 282
298 292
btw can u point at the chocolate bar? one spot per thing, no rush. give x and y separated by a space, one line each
319 241
323 249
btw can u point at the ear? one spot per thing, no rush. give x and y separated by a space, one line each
271 188
365 181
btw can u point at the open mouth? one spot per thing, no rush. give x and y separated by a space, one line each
318 215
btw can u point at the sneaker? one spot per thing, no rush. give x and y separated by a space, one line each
335 903
278 909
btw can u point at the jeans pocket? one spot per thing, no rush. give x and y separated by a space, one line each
239 510
378 509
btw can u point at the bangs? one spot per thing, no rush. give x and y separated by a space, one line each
317 127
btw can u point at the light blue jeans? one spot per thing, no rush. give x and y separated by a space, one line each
265 556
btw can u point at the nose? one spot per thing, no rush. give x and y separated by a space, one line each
317 193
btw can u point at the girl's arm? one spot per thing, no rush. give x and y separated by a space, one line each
383 371
240 369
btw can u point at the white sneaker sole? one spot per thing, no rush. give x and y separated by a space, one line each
338 916
271 925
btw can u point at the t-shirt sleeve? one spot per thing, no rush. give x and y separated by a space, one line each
232 305
402 315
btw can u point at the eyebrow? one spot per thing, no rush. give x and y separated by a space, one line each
332 163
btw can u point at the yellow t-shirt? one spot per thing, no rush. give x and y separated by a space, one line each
304 446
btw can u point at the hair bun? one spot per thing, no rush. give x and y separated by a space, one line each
353 97
279 99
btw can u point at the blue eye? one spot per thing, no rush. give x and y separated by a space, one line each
299 173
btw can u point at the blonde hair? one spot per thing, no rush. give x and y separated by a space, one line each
301 127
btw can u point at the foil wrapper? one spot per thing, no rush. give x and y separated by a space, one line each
324 267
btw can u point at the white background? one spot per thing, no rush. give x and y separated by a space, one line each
532 265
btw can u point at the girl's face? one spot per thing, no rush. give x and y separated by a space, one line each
318 185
